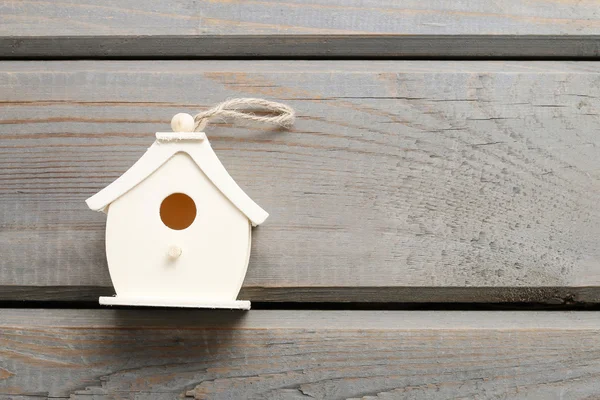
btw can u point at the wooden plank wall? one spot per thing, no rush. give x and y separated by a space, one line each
415 179
402 174
107 354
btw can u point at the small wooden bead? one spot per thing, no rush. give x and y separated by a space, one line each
183 122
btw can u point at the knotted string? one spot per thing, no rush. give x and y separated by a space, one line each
239 109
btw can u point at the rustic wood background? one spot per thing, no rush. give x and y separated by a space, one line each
116 354
463 168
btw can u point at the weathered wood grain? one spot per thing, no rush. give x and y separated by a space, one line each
300 28
397 174
107 354
317 17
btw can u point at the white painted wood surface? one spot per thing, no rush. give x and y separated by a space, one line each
397 175
215 248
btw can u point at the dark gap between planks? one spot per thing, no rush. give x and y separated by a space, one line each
344 297
311 47
327 306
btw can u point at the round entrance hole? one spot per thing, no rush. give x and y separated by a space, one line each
178 211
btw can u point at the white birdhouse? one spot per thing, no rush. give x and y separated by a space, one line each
178 228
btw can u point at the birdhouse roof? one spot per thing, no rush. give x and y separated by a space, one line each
199 149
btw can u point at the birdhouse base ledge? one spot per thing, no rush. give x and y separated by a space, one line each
181 303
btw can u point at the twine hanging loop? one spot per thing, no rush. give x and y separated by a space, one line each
186 127
242 110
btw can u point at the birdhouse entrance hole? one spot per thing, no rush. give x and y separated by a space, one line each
178 211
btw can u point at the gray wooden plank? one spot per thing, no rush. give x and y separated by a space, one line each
300 28
317 17
397 174
105 354
303 46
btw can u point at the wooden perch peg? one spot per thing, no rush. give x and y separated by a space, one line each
174 252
